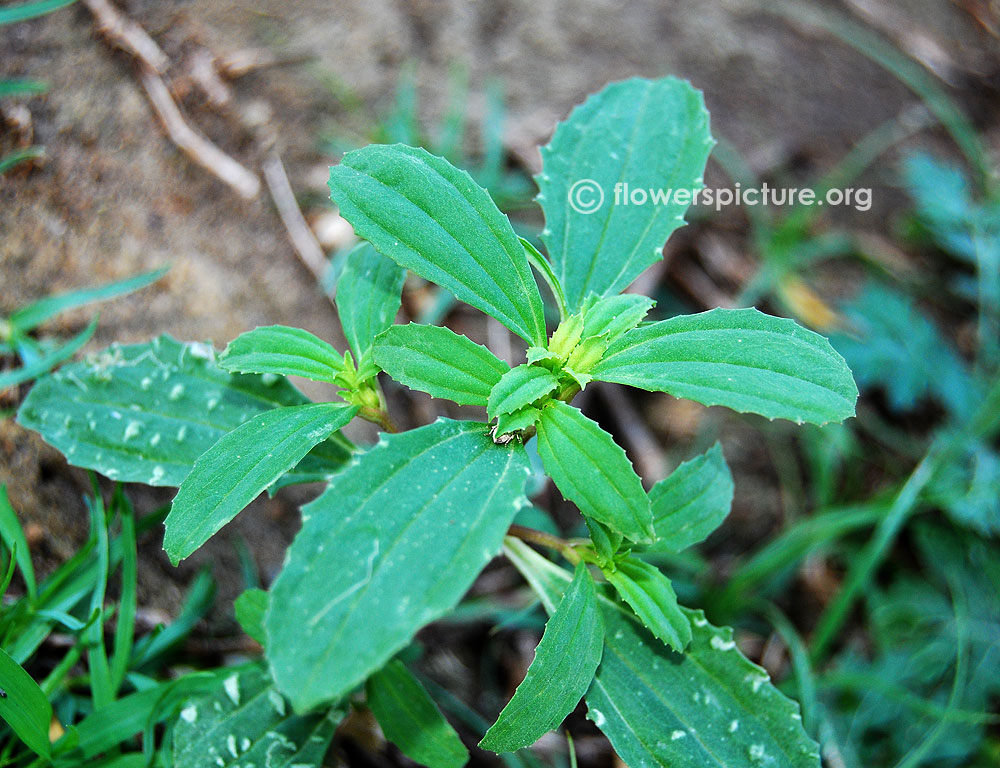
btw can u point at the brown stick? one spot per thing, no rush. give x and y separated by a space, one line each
303 240
128 35
193 144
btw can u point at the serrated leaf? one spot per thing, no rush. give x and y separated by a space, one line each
250 608
614 315
692 502
392 545
284 351
739 358
648 134
519 387
707 708
247 722
145 412
438 361
651 595
241 466
519 420
560 674
25 707
368 296
432 218
592 471
411 720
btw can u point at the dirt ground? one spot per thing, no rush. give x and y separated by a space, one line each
115 196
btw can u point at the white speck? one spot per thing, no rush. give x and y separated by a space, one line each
756 681
269 379
176 391
157 475
734 726
116 415
146 383
190 713
245 744
757 752
278 701
200 350
598 717
212 403
231 745
796 716
133 429
182 433
722 645
232 687
678 735
155 439
699 621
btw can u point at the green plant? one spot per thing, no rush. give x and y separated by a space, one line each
25 86
405 526
38 356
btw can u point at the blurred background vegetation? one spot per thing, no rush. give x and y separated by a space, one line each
860 564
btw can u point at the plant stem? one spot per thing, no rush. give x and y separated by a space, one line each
380 417
546 540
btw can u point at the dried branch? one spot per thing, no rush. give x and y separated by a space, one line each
128 35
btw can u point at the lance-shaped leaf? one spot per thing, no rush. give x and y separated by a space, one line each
281 350
651 595
634 136
706 708
561 672
439 362
393 544
243 464
739 358
519 387
411 720
592 471
250 608
614 315
368 296
692 502
144 413
244 722
432 218
24 706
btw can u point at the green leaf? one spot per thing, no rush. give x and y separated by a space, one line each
368 296
739 358
13 536
33 315
245 721
592 471
614 315
427 216
25 708
393 544
707 708
145 412
519 420
242 465
284 351
20 85
652 597
25 11
47 362
519 387
411 720
250 608
648 134
692 502
439 362
560 674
